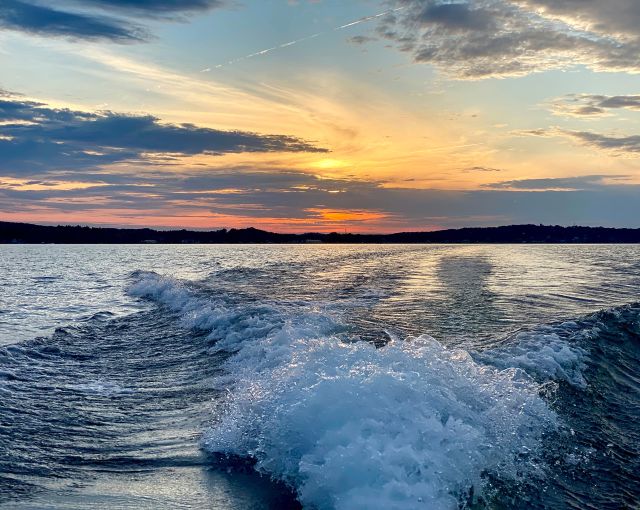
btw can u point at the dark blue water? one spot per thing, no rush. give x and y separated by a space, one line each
327 377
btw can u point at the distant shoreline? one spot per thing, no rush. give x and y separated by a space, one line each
26 233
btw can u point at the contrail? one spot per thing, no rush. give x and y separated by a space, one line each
367 18
291 43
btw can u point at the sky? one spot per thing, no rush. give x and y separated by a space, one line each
320 115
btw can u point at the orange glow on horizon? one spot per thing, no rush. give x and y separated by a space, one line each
323 221
347 216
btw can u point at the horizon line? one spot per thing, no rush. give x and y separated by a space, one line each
228 229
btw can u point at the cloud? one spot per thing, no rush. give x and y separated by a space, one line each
35 138
593 105
46 21
582 182
614 17
617 145
6 93
112 20
475 39
360 39
629 145
456 16
482 169
541 132
284 200
154 7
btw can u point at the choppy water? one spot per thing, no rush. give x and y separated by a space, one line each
328 376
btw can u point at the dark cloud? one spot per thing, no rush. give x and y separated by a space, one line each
536 132
583 182
360 39
474 39
590 105
35 138
606 17
618 144
40 157
153 7
6 93
482 169
113 20
46 21
456 16
631 102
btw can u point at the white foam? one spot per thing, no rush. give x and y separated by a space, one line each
542 353
410 425
226 324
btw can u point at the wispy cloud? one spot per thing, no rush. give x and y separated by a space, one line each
153 7
482 169
360 39
593 105
628 146
111 20
582 182
620 145
46 21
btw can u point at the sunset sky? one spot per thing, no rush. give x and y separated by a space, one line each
324 115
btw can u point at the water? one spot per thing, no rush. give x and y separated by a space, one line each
322 376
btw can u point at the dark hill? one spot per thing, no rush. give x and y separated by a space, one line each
28 233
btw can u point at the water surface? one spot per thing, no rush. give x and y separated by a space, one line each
390 376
